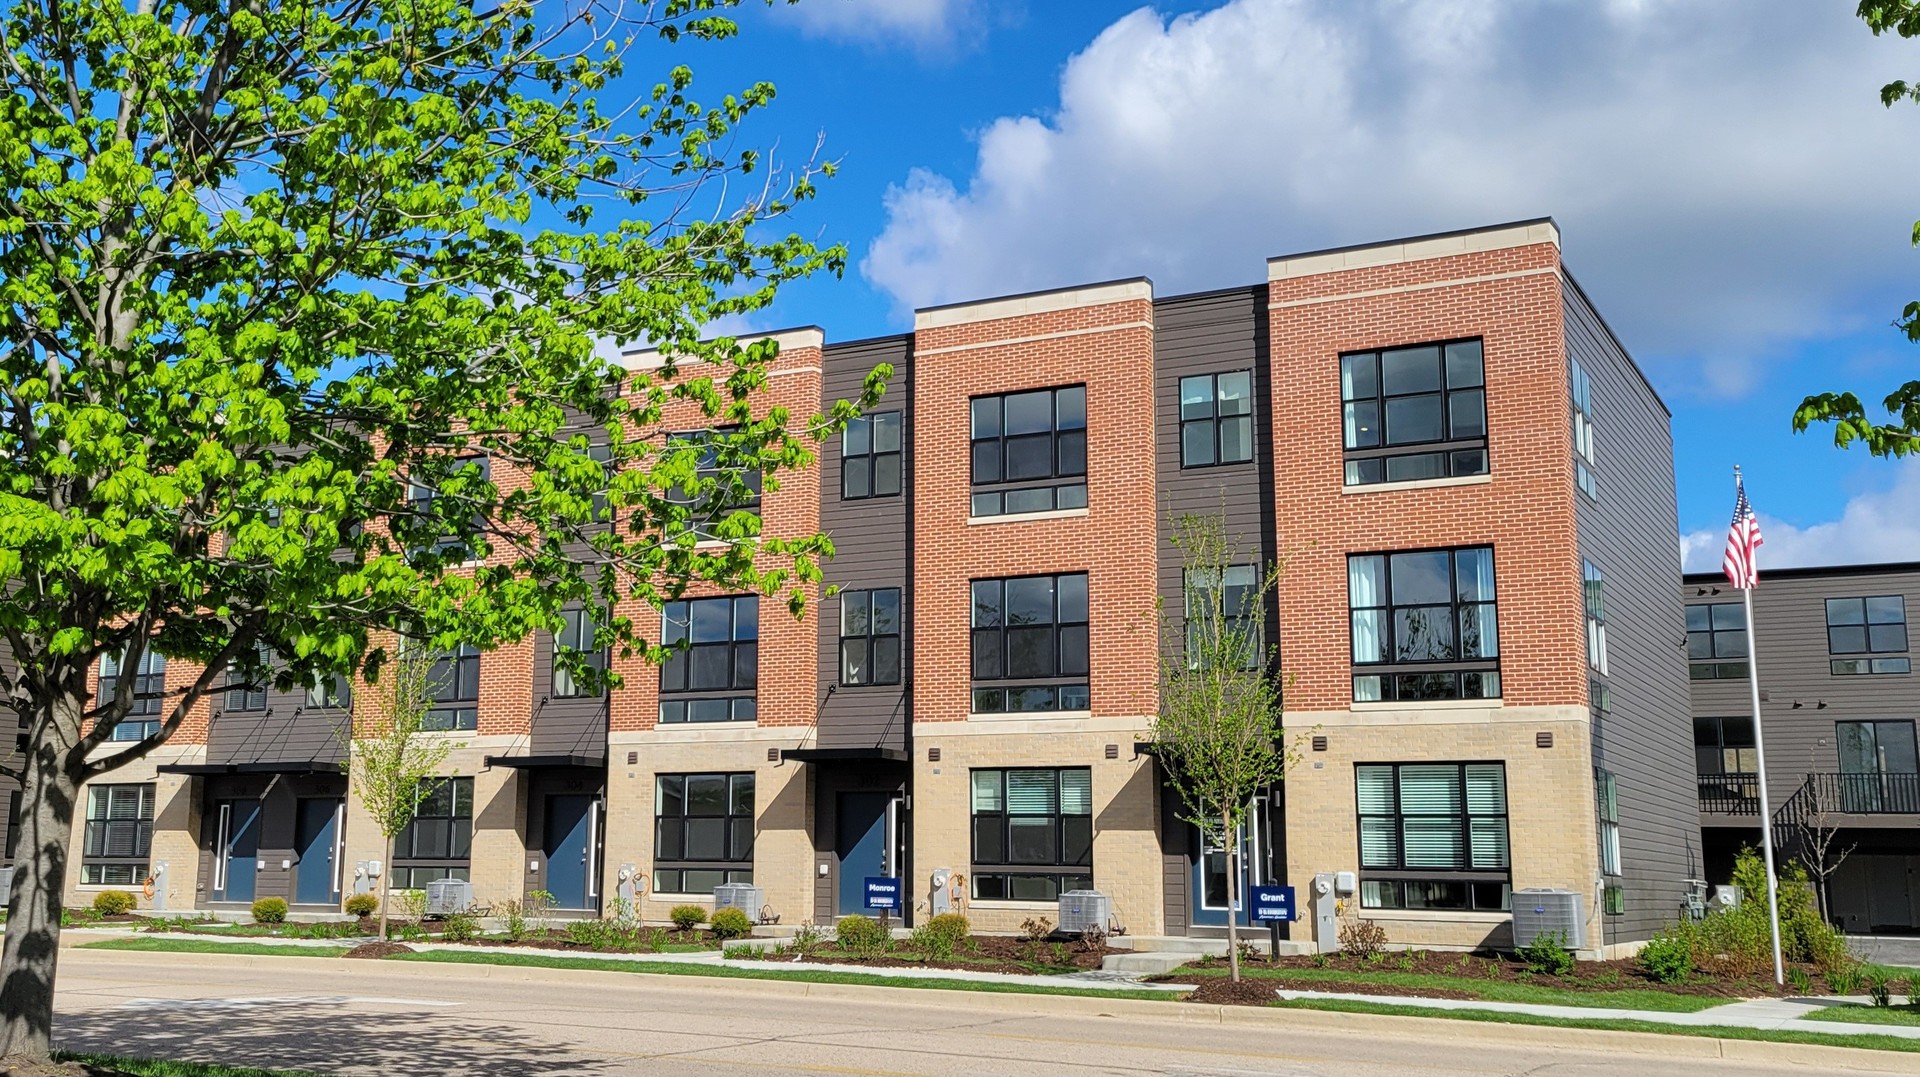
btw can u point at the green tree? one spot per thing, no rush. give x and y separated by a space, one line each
1898 434
1218 734
391 763
268 271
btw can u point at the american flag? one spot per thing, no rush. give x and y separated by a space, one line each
1743 539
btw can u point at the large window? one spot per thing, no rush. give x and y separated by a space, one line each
453 686
1030 649
439 841
870 456
467 469
1232 593
577 635
247 682
1879 767
1424 625
1725 746
1606 795
1433 836
1873 629
329 692
703 832
149 684
1594 591
725 484
715 669
1030 451
1717 641
870 637
1216 419
1032 833
118 836
1583 432
1414 413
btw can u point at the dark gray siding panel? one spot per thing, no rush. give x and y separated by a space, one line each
569 726
286 732
1631 534
870 539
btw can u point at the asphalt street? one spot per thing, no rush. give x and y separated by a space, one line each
428 1019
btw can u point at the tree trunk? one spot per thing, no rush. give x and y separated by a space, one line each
32 947
1230 840
385 882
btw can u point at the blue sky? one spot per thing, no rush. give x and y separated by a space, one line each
1729 189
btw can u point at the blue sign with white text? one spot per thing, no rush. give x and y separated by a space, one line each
883 892
1273 903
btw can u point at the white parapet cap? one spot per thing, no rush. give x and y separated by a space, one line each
1415 248
1015 306
806 336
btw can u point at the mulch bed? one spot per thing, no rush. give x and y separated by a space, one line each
1220 991
378 949
1618 975
981 953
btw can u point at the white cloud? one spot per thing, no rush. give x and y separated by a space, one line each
1874 527
919 22
1724 175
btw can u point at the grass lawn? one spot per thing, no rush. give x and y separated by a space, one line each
815 974
195 946
157 1067
1626 998
1868 1015
1718 1032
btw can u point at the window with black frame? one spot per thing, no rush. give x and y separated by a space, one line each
703 832
143 719
1716 641
713 674
1433 836
438 844
870 637
1216 419
1231 592
329 692
1414 413
118 836
578 635
1583 435
870 456
1872 633
1424 625
1030 644
247 683
423 495
453 687
1029 451
1032 833
726 484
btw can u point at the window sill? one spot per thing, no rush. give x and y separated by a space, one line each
1477 916
1028 716
1424 704
1417 484
1022 517
1018 906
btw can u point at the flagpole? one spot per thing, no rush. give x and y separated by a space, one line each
1760 763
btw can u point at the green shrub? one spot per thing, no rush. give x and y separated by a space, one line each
1843 979
362 905
860 934
1798 979
687 917
515 914
113 902
941 935
1877 989
1547 955
593 934
1667 958
412 905
459 927
1913 991
270 911
731 924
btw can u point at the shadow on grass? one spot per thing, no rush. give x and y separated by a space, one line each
312 1034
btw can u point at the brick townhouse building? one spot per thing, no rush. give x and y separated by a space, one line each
1469 483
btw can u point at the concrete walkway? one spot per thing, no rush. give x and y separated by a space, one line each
1767 1013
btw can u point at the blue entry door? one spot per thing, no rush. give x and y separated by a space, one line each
316 844
1210 866
860 845
569 849
238 850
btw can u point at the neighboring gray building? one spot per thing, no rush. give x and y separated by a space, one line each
1838 699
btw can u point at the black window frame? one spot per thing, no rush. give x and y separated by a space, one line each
1209 426
859 610
579 633
708 509
247 684
1606 807
682 703
1391 883
873 460
1871 656
1421 679
143 717
1581 389
329 692
1066 442
115 847
420 498
1593 590
1234 597
443 820
453 687
675 831
994 687
1068 865
1457 454
1715 665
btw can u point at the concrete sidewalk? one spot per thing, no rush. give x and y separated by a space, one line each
1767 1013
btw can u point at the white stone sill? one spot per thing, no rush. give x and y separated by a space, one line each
1417 484
1023 517
1029 716
1425 704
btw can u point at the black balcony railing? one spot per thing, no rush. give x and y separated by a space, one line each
1865 794
1730 794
